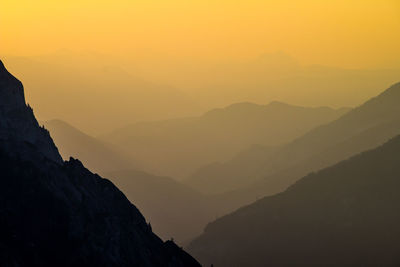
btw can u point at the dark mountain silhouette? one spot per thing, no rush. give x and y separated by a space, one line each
173 209
97 155
55 213
17 120
363 128
178 147
345 215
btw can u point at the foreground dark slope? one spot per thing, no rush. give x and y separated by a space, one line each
217 135
174 210
347 214
363 128
55 213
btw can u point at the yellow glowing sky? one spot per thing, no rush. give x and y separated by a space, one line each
346 33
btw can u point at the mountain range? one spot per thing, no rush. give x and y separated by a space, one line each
177 147
97 155
94 95
344 215
362 128
174 210
255 172
57 213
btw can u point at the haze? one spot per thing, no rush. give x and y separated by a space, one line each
196 55
356 33
251 133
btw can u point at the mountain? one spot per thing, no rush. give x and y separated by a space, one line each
17 120
177 147
56 213
97 155
147 90
344 215
363 128
219 178
173 209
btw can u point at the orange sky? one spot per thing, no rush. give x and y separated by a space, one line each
345 33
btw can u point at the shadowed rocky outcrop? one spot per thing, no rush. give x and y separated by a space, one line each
17 121
55 213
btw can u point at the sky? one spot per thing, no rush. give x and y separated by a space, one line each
342 33
124 61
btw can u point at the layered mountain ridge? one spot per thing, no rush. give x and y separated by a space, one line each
55 213
365 127
178 147
344 215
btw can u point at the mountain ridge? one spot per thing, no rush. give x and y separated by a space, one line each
56 213
377 120
98 156
345 214
216 135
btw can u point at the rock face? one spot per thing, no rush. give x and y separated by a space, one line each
55 213
17 121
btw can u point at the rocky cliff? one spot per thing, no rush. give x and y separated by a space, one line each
55 213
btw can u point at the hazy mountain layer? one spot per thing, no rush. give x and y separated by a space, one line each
178 147
101 92
94 95
173 209
345 215
55 213
98 156
365 127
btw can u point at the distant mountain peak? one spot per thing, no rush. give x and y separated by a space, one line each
279 103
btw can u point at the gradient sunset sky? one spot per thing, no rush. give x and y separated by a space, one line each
343 33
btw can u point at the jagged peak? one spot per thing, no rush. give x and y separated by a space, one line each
5 72
11 89
17 121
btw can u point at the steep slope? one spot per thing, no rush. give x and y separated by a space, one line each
345 215
55 213
173 209
178 147
97 155
17 120
365 127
